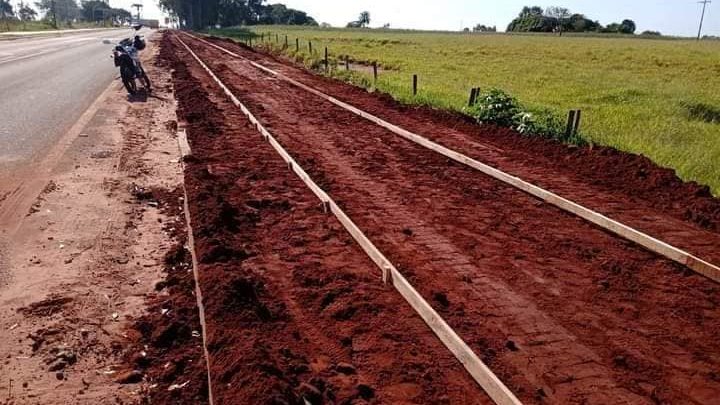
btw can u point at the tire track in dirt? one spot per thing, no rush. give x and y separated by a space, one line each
601 272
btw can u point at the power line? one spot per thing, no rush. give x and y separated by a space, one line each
702 16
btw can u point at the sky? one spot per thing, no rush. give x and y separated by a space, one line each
672 17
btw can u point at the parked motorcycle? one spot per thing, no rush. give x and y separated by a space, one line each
125 55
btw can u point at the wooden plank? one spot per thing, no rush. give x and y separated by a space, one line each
678 255
492 385
183 143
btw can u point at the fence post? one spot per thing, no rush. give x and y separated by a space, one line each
375 70
286 42
347 63
250 42
570 123
327 62
310 47
277 38
262 37
473 96
415 83
297 44
576 124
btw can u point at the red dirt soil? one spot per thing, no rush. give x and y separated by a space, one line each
294 309
626 187
562 311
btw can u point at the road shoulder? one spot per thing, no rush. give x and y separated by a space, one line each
83 259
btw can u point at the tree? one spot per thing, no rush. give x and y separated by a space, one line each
364 19
94 10
198 14
532 19
559 14
280 14
625 27
26 13
59 10
651 33
6 12
484 28
628 27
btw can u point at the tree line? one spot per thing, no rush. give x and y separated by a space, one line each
198 14
59 12
560 19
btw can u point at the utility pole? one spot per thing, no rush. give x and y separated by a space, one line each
702 16
137 7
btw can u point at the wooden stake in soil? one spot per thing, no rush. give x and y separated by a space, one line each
375 71
297 44
415 85
277 38
576 124
286 42
473 96
327 62
347 63
570 123
262 37
310 47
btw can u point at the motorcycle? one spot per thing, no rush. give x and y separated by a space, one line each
125 56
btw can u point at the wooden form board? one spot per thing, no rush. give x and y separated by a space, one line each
184 149
678 255
492 385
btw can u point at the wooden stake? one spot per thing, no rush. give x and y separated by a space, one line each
473 97
277 38
576 124
297 44
310 47
286 41
570 123
415 83
347 63
374 71
327 65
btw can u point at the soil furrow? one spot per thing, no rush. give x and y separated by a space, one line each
294 308
559 308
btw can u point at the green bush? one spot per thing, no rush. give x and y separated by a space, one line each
497 107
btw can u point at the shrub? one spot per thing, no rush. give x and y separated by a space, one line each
498 107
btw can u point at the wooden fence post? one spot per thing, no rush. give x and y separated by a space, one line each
375 71
415 83
347 63
297 44
286 42
327 62
473 96
262 37
576 124
277 38
310 47
570 123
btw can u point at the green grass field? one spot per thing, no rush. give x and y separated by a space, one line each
654 97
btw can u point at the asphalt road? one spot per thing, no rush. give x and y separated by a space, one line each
46 83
